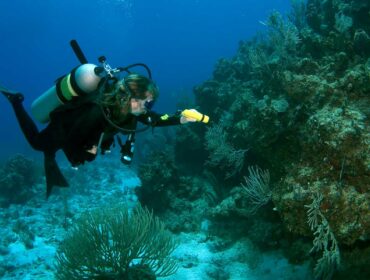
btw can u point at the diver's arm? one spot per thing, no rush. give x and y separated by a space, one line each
155 119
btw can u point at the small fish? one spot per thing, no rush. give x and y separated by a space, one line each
263 23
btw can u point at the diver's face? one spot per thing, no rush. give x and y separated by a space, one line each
138 106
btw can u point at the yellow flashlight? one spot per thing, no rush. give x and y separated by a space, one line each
195 115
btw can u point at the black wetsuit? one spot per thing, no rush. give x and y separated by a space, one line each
76 129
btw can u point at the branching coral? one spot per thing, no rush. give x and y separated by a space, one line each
113 243
257 188
222 152
324 241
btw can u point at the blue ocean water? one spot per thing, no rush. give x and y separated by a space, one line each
180 40
295 107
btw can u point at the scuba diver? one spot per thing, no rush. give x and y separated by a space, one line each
85 110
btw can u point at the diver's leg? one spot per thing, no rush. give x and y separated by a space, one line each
38 141
11 95
27 125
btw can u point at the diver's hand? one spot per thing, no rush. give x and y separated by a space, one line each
93 150
185 119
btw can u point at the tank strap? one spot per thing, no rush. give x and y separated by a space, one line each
67 88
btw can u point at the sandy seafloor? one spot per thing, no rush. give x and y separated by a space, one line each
47 222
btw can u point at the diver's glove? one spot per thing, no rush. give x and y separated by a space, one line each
192 115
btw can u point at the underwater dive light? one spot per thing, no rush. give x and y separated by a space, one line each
193 114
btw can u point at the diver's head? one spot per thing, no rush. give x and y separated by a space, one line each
140 106
142 93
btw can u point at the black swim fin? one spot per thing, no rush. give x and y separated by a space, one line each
11 95
54 176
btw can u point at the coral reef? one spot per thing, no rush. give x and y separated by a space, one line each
308 119
18 177
159 176
180 200
294 100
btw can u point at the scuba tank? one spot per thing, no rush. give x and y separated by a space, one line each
82 80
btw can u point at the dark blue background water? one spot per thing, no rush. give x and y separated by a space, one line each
180 40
